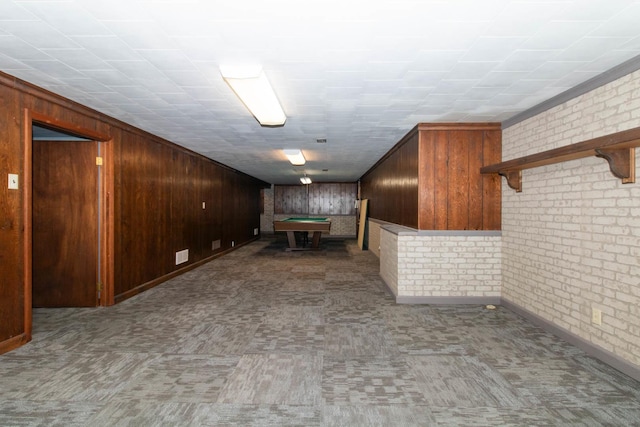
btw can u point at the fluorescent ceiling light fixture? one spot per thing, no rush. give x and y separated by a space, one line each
295 157
255 92
305 180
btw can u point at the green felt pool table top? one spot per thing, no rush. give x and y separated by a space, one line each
306 219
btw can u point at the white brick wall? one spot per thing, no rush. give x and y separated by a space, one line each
389 260
266 219
571 239
456 264
442 265
373 235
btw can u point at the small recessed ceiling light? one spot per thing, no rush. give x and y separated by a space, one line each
305 180
321 140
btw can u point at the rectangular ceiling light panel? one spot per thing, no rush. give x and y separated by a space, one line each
295 157
256 93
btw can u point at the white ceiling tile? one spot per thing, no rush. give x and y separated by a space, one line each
471 70
107 77
138 69
44 37
360 73
490 49
13 11
525 87
8 64
141 35
108 48
520 19
574 78
19 49
454 87
554 70
501 79
34 76
120 10
78 58
167 59
69 18
87 86
526 60
620 25
592 10
558 35
587 48
609 60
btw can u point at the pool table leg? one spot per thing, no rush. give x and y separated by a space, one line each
291 236
315 243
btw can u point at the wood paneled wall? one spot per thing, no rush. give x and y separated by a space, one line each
162 189
316 199
332 198
431 179
159 189
392 185
291 199
12 321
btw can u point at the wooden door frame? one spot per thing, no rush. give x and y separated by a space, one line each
106 211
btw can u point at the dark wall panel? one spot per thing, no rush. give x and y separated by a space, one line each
316 199
392 185
332 198
474 201
458 181
431 179
241 209
11 232
210 227
491 183
186 206
143 244
291 199
163 189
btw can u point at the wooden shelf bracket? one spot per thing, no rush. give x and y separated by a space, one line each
514 179
622 162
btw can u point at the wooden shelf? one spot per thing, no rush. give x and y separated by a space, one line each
618 149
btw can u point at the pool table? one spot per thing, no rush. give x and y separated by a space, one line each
303 225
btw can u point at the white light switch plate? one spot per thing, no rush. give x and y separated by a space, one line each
13 181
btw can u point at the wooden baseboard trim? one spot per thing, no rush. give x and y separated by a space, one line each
14 342
155 282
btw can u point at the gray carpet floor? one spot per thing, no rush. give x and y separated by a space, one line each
264 337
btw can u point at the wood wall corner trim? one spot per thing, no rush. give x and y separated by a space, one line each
27 248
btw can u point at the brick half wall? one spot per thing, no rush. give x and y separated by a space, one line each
441 267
